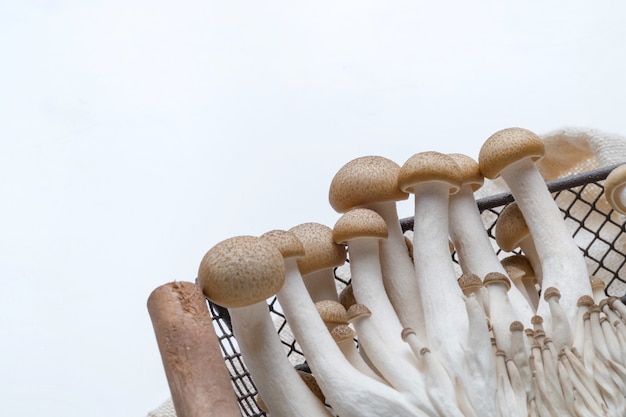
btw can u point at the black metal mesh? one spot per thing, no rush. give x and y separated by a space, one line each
597 229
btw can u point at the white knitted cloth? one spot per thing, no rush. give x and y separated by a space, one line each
568 151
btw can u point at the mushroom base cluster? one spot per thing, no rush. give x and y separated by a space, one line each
413 333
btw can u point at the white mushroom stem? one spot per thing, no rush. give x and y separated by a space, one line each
347 390
368 289
562 263
578 341
398 272
439 386
344 337
506 398
442 299
501 310
519 354
619 307
279 384
479 360
561 333
476 254
598 335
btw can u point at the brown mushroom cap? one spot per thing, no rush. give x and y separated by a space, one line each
365 180
241 271
516 326
506 147
346 297
469 282
511 228
332 312
597 283
585 300
311 382
342 332
427 167
469 170
613 186
358 223
551 292
497 278
286 242
321 251
357 311
517 266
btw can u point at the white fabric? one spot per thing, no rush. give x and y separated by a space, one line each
568 151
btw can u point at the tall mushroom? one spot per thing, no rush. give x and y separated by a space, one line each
432 177
240 273
372 182
510 154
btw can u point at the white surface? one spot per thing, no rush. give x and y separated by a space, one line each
137 134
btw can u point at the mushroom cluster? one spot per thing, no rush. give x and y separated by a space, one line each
528 335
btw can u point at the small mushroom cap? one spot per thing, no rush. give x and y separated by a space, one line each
469 170
261 404
506 147
357 311
321 251
613 186
536 320
516 326
552 292
469 282
406 332
585 300
311 382
286 242
365 180
427 167
517 266
342 332
240 271
594 309
332 312
596 283
359 223
511 228
346 297
497 278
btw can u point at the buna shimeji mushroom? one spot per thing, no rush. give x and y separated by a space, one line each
240 273
372 182
348 391
432 177
510 154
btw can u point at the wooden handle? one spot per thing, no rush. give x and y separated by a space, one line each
196 372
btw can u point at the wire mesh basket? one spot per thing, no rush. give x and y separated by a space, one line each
597 229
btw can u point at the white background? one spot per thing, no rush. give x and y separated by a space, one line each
134 135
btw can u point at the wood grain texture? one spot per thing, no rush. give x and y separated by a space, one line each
196 372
